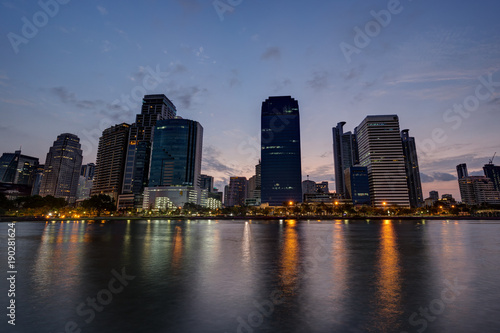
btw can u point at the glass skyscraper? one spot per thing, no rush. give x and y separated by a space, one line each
493 172
154 108
176 153
62 168
280 151
16 168
345 155
412 169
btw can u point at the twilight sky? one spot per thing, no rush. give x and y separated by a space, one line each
86 65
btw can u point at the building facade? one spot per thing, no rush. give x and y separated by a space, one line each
135 178
281 166
62 168
381 151
493 172
477 190
237 191
85 181
357 185
412 170
176 160
110 163
16 168
345 155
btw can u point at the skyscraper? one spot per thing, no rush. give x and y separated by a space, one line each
207 183
110 163
280 151
85 181
477 190
462 171
381 151
412 169
176 162
345 155
62 168
16 168
154 108
237 191
493 172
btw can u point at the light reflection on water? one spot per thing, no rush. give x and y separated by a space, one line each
211 276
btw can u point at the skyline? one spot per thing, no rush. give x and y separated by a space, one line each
71 75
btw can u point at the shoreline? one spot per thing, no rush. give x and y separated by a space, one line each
266 218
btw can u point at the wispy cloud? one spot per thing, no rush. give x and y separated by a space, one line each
102 10
20 102
68 97
271 53
319 80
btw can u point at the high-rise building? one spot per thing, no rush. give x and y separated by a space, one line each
345 155
16 168
154 108
358 185
85 181
207 183
237 191
37 180
110 163
62 168
280 151
477 190
258 183
412 169
493 172
462 171
176 161
381 151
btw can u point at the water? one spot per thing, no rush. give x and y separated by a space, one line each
255 276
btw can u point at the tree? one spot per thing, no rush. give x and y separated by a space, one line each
99 203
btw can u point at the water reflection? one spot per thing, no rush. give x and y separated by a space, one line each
388 296
289 259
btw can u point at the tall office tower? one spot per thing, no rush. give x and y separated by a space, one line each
434 195
16 168
358 185
345 155
110 163
85 181
174 175
280 151
462 171
37 182
237 191
226 195
258 182
381 151
493 172
62 168
207 183
154 108
477 190
412 169
176 154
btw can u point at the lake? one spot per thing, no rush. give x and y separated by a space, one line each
253 276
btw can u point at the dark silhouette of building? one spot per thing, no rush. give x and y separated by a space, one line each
493 172
237 191
280 151
412 169
16 168
462 171
345 155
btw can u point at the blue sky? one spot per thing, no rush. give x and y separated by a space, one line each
74 73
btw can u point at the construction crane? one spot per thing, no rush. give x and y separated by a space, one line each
491 161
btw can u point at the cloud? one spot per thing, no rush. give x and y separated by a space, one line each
190 6
281 85
426 178
102 10
476 173
21 102
185 96
106 46
271 53
320 173
353 73
212 161
68 97
319 80
443 176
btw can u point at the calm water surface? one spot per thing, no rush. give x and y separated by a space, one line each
255 276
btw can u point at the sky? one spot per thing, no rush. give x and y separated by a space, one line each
81 66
